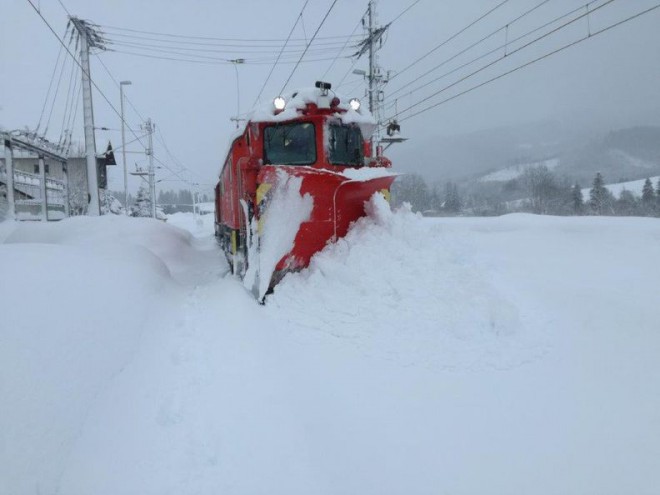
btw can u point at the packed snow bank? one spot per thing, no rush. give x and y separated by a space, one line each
408 357
73 303
406 293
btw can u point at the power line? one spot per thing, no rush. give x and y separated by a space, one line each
179 49
81 67
488 36
57 90
212 60
159 134
453 36
68 105
245 40
345 45
490 52
308 44
534 41
243 45
527 64
50 85
404 11
280 54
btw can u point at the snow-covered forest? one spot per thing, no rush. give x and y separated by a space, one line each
536 190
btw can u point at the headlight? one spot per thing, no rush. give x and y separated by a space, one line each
355 104
279 103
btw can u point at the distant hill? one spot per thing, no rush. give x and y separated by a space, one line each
499 155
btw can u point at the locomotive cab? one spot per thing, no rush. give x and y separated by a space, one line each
298 169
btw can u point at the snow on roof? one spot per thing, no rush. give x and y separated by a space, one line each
299 99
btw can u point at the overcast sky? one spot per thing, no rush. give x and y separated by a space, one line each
612 80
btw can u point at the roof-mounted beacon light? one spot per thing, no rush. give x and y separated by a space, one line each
279 103
324 87
355 104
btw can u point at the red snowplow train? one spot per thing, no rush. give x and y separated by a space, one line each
293 180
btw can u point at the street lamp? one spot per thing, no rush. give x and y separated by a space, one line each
237 61
123 142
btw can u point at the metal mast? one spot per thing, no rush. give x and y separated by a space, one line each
374 77
150 126
89 39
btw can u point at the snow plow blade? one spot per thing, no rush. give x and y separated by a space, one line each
334 200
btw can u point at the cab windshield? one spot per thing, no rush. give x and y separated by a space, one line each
290 144
346 145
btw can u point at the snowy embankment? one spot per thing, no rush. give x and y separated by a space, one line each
501 355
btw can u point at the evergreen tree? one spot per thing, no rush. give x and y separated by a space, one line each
648 194
600 198
110 205
648 197
627 203
577 199
142 205
452 203
411 189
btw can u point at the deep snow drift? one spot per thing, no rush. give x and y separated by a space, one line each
465 356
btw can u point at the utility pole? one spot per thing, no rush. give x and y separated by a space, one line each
89 38
372 59
374 77
237 119
123 143
9 169
43 188
150 127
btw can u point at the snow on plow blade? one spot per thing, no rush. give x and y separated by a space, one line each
301 209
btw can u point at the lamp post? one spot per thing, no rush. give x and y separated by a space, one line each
123 143
237 61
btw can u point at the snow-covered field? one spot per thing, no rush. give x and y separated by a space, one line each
515 171
463 356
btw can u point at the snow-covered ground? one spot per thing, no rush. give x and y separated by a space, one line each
458 355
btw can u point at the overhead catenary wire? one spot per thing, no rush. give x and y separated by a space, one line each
68 104
195 51
308 45
158 134
452 37
404 11
72 120
490 64
484 55
215 61
103 95
57 90
482 40
270 73
243 40
274 45
137 138
50 85
343 47
589 36
233 47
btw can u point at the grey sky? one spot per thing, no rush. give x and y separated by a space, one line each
610 80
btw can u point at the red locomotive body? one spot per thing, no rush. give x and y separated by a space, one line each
294 180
